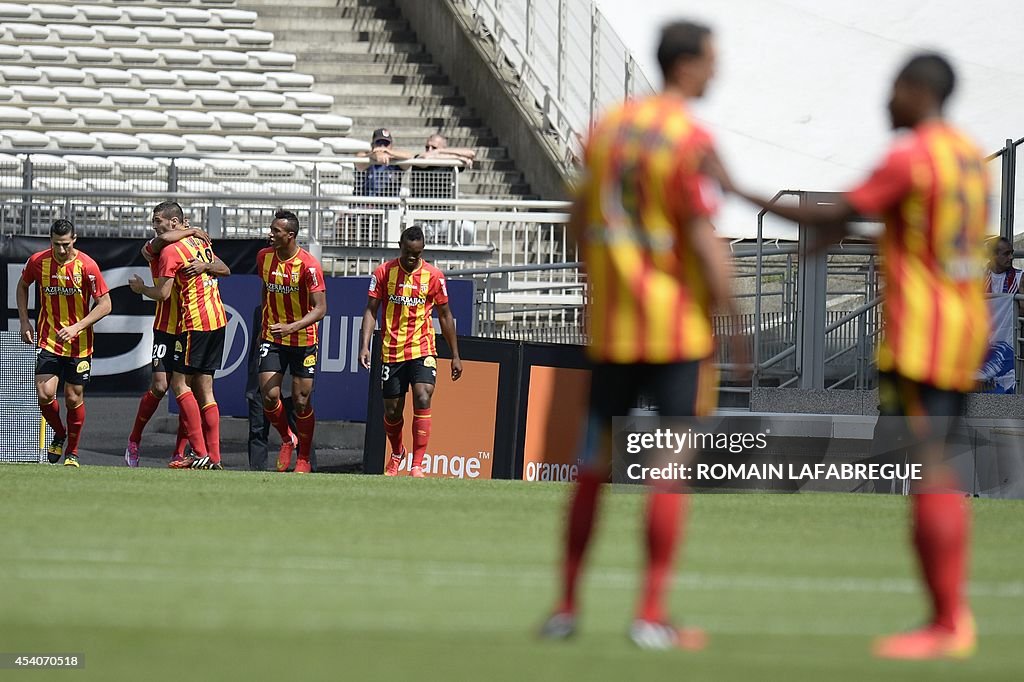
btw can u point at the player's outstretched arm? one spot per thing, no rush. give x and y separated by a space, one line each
160 291
27 334
315 314
444 316
366 333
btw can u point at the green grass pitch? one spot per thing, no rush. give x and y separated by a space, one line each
176 575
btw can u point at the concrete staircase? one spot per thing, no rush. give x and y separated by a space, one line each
364 53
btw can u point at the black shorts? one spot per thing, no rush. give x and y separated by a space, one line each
163 351
199 352
913 414
678 389
71 370
299 360
395 377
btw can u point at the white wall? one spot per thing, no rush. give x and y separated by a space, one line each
799 101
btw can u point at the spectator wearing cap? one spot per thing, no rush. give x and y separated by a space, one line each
383 177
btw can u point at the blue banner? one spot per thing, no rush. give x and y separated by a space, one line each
341 388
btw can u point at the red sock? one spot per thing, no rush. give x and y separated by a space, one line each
394 432
182 440
193 422
51 412
279 419
420 435
76 418
305 424
147 406
582 510
664 512
211 430
941 530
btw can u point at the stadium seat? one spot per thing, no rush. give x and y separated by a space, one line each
289 188
188 168
144 118
251 144
127 96
209 143
225 59
234 120
75 95
70 139
36 93
273 169
197 79
51 12
234 17
243 79
298 145
160 35
31 32
270 60
136 165
188 16
24 139
90 164
261 99
206 36
167 97
14 116
103 77
228 167
184 118
344 145
14 53
115 34
20 74
336 189
117 142
99 13
326 170
247 37
47 163
248 187
148 78
86 56
132 56
278 122
145 15
309 100
55 75
216 98
72 33
9 162
160 142
7 95
42 53
98 118
10 12
284 80
174 57
329 123
201 186
53 116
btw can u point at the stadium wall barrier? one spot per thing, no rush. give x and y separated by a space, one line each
124 339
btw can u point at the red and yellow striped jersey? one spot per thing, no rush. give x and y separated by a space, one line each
408 298
168 314
287 285
199 304
641 189
931 191
65 290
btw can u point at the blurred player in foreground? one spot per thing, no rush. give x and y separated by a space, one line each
199 347
409 287
294 302
931 190
166 321
67 281
656 269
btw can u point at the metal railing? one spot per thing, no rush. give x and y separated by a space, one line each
566 55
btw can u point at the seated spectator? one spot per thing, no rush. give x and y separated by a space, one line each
439 182
383 178
437 147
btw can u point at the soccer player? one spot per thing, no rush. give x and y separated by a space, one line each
409 287
67 280
294 302
199 347
930 190
165 332
656 269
